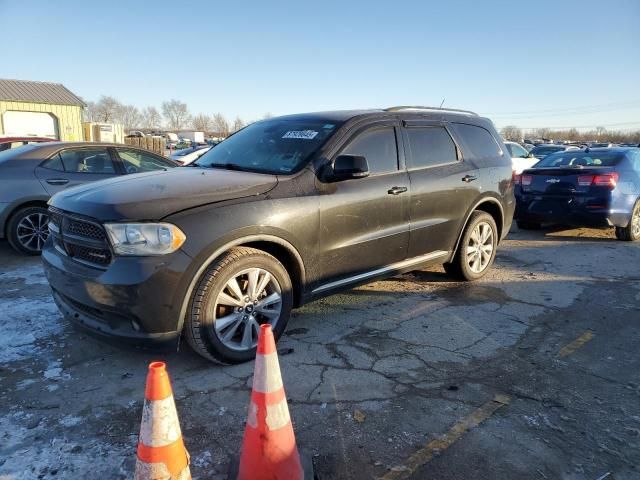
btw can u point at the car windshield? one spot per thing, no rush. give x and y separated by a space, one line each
547 150
580 159
12 152
275 146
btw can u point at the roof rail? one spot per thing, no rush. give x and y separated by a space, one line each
417 107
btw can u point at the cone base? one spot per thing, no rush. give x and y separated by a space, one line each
305 460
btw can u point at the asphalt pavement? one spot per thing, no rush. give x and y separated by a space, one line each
531 373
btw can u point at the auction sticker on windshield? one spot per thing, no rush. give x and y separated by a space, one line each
302 134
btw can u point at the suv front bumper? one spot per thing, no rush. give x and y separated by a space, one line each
136 300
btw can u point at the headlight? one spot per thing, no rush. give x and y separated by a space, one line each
144 238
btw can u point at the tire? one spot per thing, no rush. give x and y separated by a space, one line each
631 233
528 225
20 228
460 268
212 302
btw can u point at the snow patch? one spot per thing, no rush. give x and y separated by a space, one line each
31 275
23 322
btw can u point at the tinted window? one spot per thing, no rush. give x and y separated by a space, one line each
430 146
516 151
477 140
378 147
87 160
575 158
546 150
136 161
54 163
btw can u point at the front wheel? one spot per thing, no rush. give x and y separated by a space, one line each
477 248
631 233
242 290
28 230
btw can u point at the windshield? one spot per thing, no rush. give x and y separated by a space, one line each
13 152
580 159
276 146
545 150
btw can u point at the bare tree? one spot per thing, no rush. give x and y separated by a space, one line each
238 124
511 133
90 112
600 131
151 118
202 123
543 132
220 125
129 116
176 114
107 109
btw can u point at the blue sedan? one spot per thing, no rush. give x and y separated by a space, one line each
598 187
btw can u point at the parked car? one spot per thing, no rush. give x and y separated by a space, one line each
186 156
593 187
285 211
520 157
541 151
14 142
30 174
136 133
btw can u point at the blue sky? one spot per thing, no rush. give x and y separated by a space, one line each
556 63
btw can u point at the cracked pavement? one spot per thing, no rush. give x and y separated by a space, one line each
411 355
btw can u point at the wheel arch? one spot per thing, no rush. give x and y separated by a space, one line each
489 205
282 250
36 202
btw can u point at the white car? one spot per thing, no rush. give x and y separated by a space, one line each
520 157
189 155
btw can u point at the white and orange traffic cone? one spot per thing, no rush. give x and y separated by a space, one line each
161 451
269 450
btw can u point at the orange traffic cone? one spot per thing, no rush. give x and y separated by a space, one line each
161 452
269 450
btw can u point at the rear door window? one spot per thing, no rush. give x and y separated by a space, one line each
54 163
87 160
478 141
378 146
430 146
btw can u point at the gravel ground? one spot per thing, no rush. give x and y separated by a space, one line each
373 376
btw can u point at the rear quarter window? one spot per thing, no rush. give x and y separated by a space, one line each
478 141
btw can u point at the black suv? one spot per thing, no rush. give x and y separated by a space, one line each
285 211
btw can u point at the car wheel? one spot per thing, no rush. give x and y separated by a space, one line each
477 248
28 229
528 225
241 290
631 233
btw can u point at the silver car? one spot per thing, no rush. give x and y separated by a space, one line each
31 174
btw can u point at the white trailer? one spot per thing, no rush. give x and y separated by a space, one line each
195 137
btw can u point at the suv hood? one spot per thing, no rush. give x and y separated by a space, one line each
154 195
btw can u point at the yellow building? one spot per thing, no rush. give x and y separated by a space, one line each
40 109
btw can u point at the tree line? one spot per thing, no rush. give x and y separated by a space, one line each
173 115
600 134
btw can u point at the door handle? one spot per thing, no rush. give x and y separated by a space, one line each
396 190
57 181
469 178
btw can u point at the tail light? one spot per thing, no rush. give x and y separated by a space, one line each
515 178
606 180
609 180
525 180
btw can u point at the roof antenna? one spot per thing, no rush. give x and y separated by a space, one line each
441 103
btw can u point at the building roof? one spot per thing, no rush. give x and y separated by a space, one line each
37 92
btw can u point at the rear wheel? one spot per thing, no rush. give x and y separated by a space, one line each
28 230
631 232
528 225
477 248
243 289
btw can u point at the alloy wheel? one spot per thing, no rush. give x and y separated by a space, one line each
250 298
635 223
33 231
480 247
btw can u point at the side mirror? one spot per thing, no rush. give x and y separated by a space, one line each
530 155
347 167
